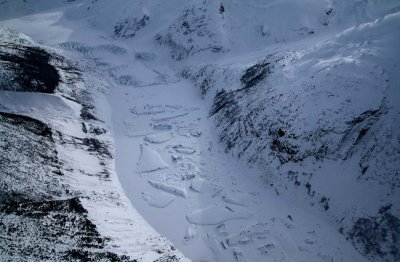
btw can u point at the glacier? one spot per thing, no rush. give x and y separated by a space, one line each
258 130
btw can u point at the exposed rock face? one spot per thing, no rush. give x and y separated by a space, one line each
27 140
37 224
377 236
255 74
191 33
57 230
29 68
129 26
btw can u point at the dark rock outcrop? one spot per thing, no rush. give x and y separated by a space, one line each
27 69
378 236
128 27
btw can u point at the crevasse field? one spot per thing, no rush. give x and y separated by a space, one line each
183 130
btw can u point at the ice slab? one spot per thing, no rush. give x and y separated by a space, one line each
149 160
175 189
159 200
250 234
236 198
184 149
215 214
168 117
162 127
159 138
201 185
148 110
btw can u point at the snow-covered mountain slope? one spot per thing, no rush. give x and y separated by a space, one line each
300 94
322 122
61 199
